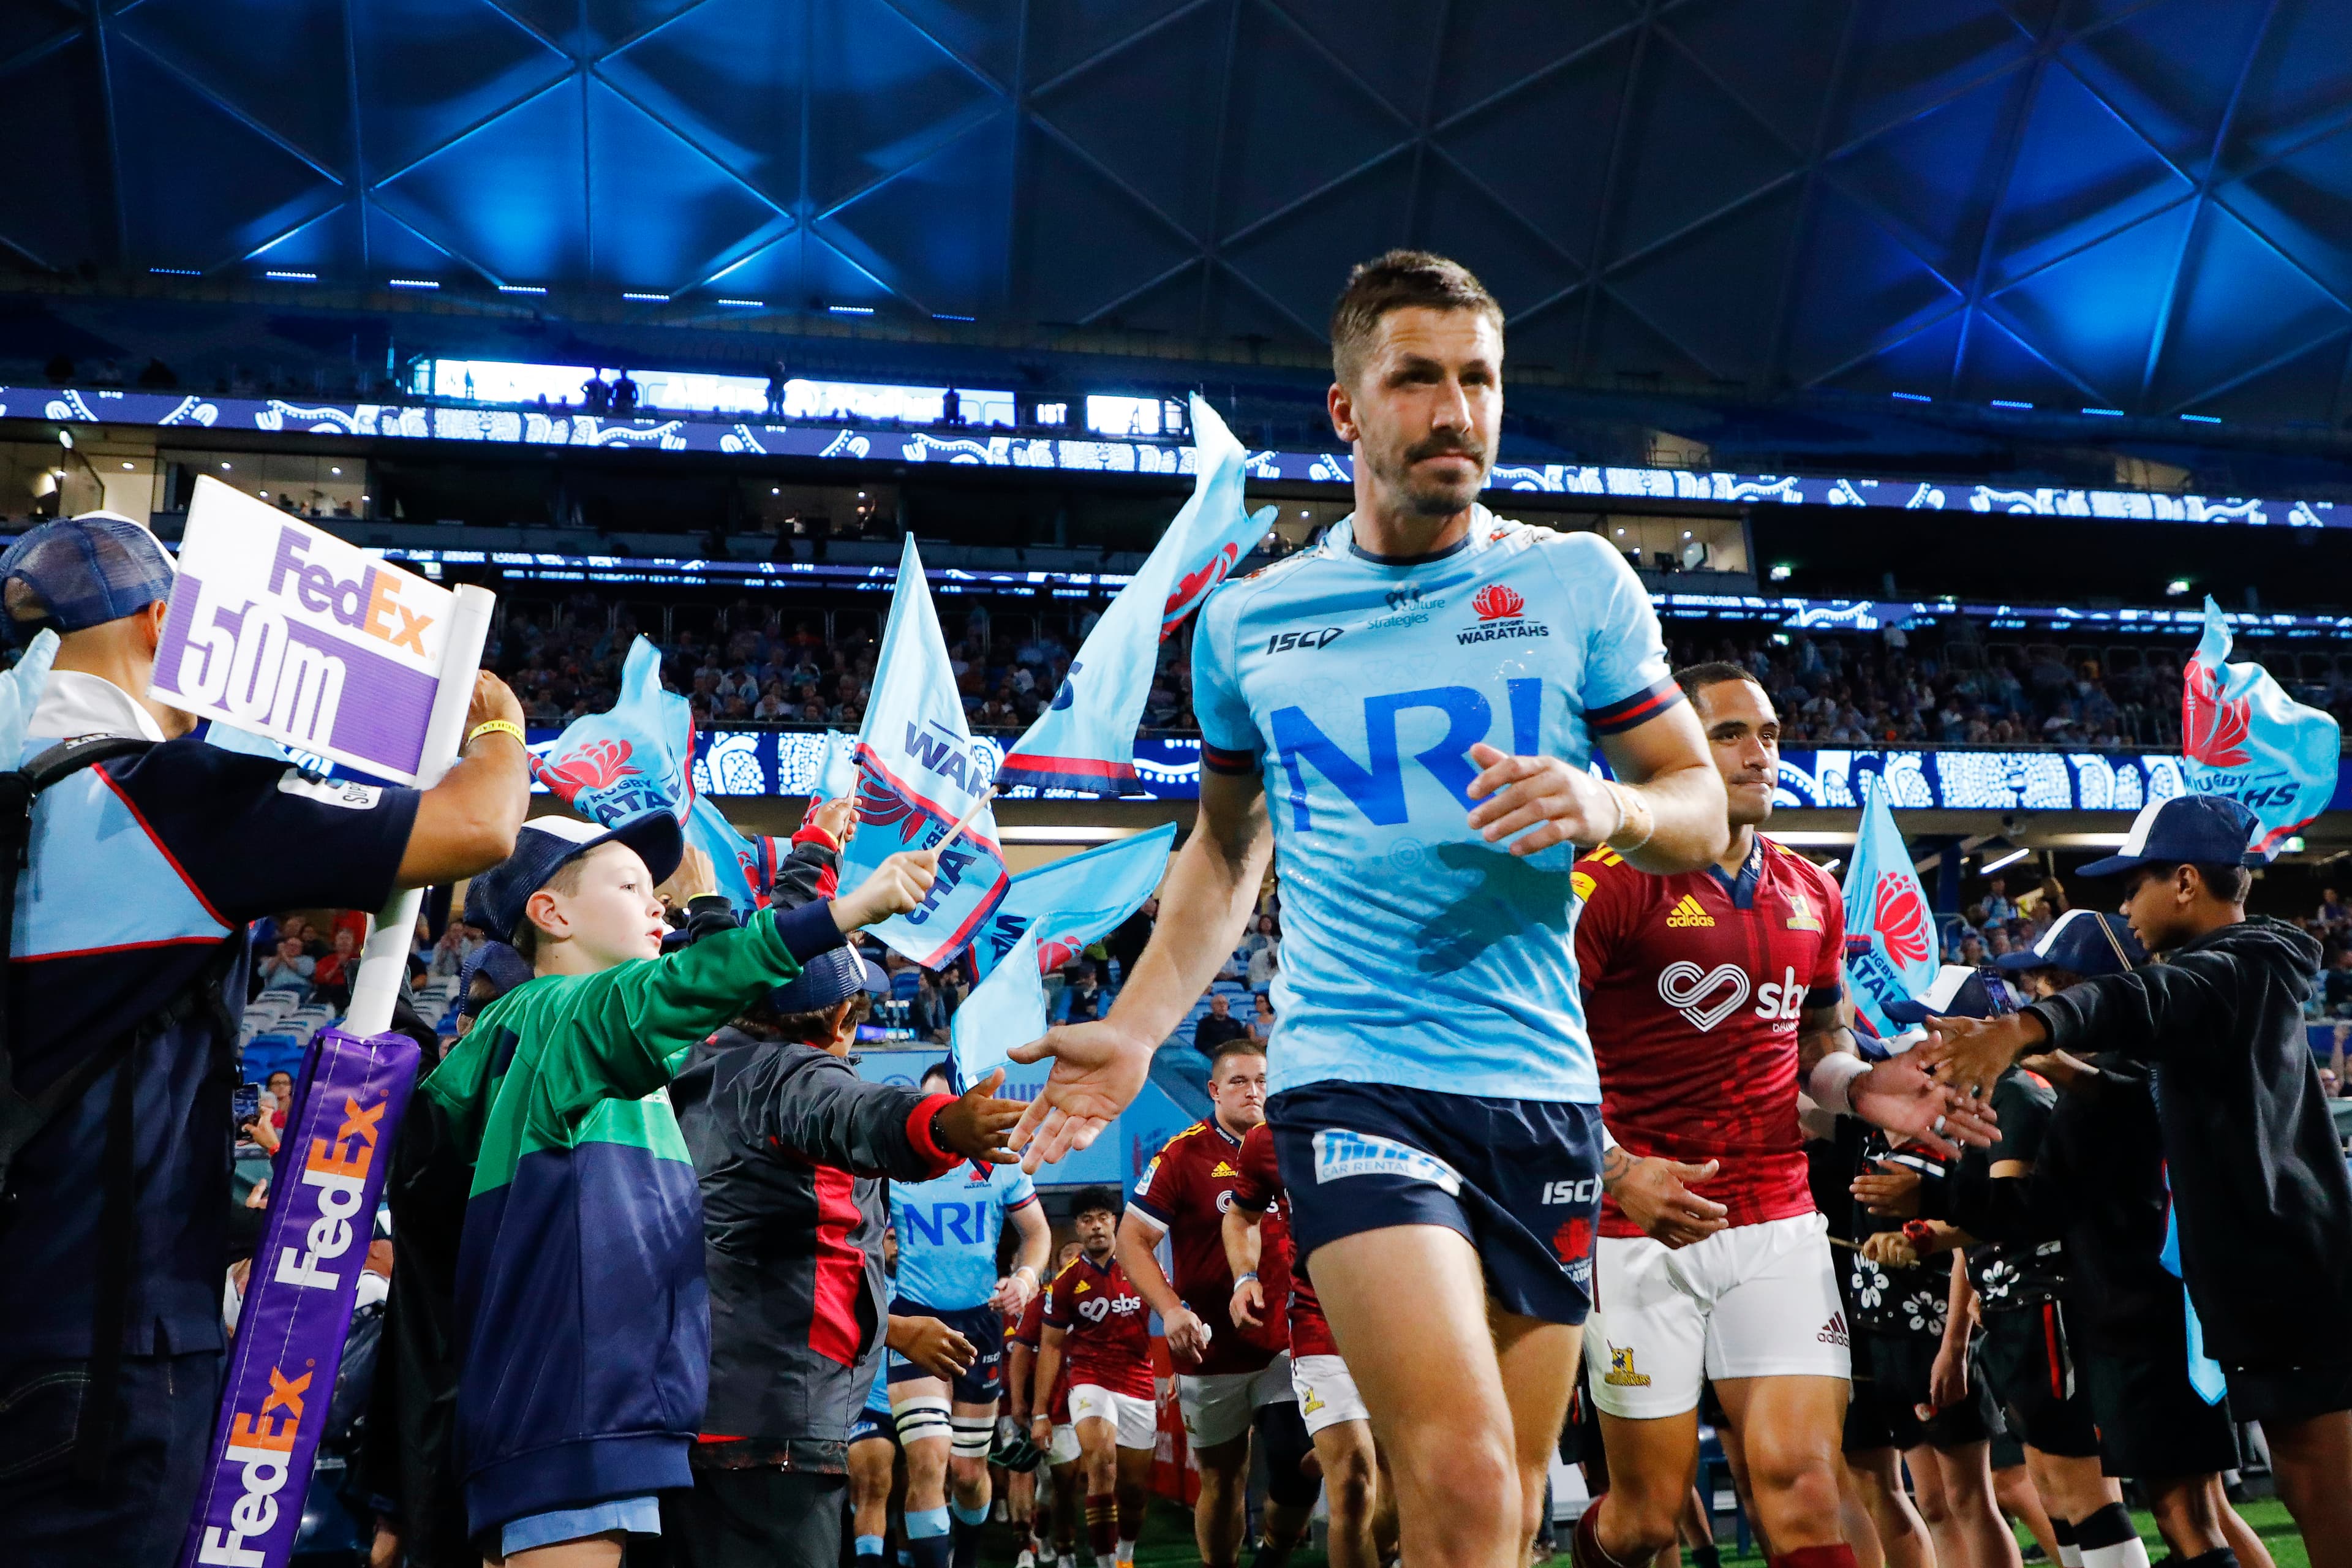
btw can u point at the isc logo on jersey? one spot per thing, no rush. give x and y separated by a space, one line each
1705 997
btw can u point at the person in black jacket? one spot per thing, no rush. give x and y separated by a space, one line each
2261 1191
2097 1185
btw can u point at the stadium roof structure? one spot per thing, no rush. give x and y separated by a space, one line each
2131 206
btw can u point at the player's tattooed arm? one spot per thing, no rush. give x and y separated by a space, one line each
1651 1191
1823 1032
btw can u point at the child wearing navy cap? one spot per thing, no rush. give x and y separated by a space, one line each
2257 1173
581 1304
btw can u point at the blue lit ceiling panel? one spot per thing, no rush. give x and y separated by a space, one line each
2128 204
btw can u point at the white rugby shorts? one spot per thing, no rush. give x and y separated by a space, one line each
1137 1420
1326 1391
1754 1301
1065 1450
1217 1406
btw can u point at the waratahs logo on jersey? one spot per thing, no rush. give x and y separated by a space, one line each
1501 610
2245 737
1902 918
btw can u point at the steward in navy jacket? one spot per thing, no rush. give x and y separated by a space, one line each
790 1147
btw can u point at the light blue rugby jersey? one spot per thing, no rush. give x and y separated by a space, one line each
1414 952
947 1229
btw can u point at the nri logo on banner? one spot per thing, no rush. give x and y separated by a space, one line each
288 631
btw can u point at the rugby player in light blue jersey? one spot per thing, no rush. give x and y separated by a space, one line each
948 1229
1404 716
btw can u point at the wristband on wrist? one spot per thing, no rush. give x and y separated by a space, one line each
1025 1268
1831 1082
1634 816
1250 1274
495 727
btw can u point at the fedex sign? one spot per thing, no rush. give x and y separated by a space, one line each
285 630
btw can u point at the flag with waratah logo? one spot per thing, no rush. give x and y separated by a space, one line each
1890 948
638 755
919 773
1085 740
2243 736
1075 900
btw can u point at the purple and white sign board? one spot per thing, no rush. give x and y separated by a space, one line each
323 1189
285 630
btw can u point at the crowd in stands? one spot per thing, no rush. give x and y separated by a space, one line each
1923 688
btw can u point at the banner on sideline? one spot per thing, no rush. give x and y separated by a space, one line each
324 1185
1085 740
285 630
1890 937
2244 737
919 774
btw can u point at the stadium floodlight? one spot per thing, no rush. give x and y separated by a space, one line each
1781 571
2178 587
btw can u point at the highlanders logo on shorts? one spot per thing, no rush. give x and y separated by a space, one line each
1339 1153
1620 1374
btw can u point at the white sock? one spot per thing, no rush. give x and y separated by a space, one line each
1104 1560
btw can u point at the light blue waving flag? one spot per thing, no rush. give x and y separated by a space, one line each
1048 917
20 693
836 776
917 773
1890 938
1085 740
1005 1010
2244 737
640 755
1074 901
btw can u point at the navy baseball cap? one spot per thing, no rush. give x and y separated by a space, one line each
2190 829
501 965
83 572
831 978
546 843
1958 991
2082 942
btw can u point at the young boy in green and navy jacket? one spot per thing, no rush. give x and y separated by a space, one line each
581 1299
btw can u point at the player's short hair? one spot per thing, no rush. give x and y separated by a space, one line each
942 1070
1398 281
1241 1046
1091 1199
1696 677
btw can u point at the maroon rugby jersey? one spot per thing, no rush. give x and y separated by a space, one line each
1185 1190
1693 984
1281 1274
1107 1327
1031 1332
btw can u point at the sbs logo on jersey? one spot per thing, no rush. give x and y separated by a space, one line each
1501 610
1102 1307
1705 997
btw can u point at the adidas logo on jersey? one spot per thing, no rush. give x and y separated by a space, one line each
1222 1172
1688 913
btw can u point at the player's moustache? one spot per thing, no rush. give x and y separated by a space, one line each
1442 446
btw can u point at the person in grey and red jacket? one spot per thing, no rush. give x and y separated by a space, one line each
792 1150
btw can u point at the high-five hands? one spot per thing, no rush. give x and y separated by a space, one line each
1097 1072
1970 1054
1898 1095
979 1126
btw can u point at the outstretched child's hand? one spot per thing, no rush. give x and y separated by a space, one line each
979 1126
897 886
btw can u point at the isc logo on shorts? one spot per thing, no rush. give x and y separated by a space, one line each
1339 1153
1586 1190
